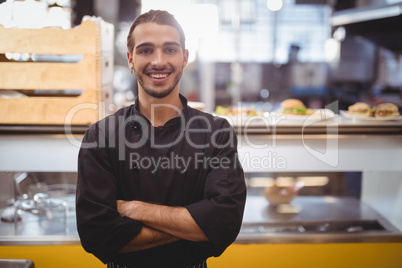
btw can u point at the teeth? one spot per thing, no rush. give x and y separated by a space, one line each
158 75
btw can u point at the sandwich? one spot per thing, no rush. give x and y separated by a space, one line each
295 107
386 110
360 109
234 111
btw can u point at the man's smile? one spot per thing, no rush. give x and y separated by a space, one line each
158 75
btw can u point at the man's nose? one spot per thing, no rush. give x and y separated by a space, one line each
158 58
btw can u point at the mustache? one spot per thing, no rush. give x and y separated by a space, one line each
159 69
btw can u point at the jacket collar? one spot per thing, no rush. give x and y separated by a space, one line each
172 121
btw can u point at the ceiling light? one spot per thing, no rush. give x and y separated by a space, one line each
274 5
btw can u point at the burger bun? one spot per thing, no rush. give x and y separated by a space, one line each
292 103
360 109
386 110
295 107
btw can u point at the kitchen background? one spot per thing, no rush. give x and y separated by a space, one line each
254 51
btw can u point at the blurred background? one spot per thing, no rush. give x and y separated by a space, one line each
255 52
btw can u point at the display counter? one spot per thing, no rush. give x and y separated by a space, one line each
267 238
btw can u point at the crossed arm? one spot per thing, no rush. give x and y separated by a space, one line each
162 224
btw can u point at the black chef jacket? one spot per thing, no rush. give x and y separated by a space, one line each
191 161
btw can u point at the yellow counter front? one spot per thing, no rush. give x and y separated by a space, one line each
357 255
345 255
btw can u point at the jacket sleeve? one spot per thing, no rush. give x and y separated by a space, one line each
103 232
220 213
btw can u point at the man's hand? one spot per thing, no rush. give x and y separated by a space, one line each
176 221
124 207
148 238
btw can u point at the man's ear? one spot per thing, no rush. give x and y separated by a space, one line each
130 61
185 58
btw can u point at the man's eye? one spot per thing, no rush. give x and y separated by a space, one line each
145 51
171 50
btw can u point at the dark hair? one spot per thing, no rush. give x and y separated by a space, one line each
156 16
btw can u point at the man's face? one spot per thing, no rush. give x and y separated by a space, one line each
157 59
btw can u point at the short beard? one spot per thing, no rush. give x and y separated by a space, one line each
158 95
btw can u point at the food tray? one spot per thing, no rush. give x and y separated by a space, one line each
368 118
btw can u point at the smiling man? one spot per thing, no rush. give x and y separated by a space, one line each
159 183
157 55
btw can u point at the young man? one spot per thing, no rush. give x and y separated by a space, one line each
159 183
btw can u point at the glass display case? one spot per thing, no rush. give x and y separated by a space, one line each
335 177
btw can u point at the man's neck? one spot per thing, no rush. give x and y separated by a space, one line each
159 111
